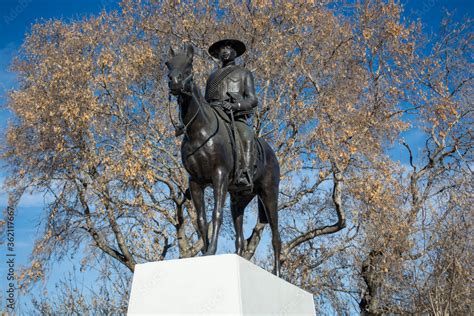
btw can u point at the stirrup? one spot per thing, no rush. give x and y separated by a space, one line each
244 182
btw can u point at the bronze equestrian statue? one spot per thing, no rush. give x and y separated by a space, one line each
208 150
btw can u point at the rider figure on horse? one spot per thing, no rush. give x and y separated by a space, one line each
231 87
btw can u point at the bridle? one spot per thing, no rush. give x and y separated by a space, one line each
182 90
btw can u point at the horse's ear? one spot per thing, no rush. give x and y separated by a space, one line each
190 51
171 52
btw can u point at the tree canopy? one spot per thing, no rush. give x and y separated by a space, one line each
339 87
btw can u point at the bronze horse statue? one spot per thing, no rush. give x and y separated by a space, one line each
207 155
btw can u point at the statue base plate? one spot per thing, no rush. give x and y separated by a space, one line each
224 284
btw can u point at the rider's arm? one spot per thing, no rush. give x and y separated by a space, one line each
250 99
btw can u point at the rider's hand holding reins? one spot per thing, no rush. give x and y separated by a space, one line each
227 105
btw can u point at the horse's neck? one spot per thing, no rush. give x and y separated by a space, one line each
193 110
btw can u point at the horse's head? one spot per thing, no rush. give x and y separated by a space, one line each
180 67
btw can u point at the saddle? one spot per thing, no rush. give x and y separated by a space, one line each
237 147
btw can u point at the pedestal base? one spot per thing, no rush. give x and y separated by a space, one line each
224 284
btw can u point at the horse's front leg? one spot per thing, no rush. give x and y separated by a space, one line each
220 184
197 195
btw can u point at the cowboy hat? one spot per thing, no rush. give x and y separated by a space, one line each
235 44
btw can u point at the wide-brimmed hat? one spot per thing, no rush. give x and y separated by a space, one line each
235 44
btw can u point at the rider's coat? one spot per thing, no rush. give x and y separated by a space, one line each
232 79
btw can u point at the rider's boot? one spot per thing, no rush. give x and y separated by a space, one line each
245 180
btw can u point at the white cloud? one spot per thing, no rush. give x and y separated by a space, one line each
34 200
28 200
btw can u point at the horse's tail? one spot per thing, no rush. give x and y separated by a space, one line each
262 216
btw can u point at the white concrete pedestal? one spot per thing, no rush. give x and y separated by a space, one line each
223 284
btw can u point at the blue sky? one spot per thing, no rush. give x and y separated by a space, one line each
16 18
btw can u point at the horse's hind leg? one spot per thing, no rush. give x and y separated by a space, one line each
197 195
269 199
238 205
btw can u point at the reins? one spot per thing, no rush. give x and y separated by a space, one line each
183 127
